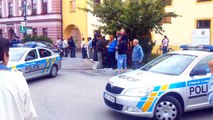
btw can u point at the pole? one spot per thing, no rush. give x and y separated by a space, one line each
25 17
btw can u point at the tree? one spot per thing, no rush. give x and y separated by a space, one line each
137 17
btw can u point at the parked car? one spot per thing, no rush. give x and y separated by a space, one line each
42 44
164 88
34 62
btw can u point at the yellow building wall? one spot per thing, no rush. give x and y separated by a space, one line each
180 30
77 19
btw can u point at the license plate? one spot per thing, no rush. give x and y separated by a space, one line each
109 97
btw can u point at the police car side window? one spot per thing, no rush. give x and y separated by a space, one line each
44 53
202 65
31 55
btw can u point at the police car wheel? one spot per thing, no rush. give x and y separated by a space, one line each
168 108
53 71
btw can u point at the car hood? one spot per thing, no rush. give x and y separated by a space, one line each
139 78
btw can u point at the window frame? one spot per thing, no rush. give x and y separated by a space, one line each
203 24
203 1
10 9
36 55
1 32
45 32
49 54
1 9
202 62
44 6
72 5
34 7
35 31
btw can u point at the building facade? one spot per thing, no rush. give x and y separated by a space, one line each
194 16
43 17
76 22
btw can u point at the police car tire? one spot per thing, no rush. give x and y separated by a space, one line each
52 75
173 101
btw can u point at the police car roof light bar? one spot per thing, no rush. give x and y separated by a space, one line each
197 47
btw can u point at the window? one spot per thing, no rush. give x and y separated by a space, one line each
167 20
16 55
0 8
34 7
203 0
169 64
72 6
202 24
169 2
202 66
97 1
44 31
44 6
44 53
31 55
1 32
10 8
35 32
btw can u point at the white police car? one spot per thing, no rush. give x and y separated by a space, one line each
164 88
34 62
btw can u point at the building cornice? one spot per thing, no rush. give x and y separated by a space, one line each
46 17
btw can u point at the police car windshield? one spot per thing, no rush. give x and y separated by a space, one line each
170 64
16 54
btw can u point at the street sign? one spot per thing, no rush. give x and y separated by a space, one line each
22 29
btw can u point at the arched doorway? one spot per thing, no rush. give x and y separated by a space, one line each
74 31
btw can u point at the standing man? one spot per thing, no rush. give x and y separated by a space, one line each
94 41
84 49
100 48
15 97
137 55
65 47
89 44
165 44
72 46
122 56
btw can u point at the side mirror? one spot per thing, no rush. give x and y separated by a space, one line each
198 72
28 58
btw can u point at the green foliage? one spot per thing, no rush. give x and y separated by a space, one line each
29 38
138 18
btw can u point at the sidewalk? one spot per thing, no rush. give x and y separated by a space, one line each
78 63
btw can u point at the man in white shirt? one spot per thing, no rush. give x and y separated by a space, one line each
65 47
15 100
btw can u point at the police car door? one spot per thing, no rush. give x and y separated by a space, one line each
45 61
197 86
31 64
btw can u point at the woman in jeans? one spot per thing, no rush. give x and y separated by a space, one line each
111 52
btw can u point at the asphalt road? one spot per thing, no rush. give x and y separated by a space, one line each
77 95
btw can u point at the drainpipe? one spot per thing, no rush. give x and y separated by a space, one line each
61 19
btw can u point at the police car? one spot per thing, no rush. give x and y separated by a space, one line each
34 62
164 88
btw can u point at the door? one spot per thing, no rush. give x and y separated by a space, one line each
45 61
31 64
197 87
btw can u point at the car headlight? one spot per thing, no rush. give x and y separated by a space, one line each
139 92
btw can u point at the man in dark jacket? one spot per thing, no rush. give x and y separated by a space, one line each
94 41
122 56
72 46
100 46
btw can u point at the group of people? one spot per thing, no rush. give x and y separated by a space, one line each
112 51
65 46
